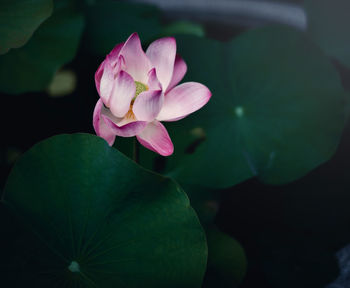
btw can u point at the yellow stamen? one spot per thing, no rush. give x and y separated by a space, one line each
130 115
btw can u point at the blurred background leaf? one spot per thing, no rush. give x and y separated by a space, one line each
94 218
277 110
291 233
32 67
19 19
183 28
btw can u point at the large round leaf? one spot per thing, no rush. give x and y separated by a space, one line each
19 19
329 26
100 220
32 67
277 109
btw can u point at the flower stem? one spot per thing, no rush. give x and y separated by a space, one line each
136 151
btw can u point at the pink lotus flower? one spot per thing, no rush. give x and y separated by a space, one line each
138 90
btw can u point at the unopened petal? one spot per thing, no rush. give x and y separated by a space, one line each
183 100
119 65
180 69
136 61
156 138
129 130
113 59
114 54
148 104
162 54
122 94
100 126
98 76
107 82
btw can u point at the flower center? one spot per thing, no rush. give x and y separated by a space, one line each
140 87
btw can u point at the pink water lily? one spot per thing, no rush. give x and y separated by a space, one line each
138 90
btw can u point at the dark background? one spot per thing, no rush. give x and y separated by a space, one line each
290 233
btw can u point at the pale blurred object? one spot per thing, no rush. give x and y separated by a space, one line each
64 83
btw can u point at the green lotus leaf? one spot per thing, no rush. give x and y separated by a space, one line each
33 66
94 218
183 28
277 110
19 19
